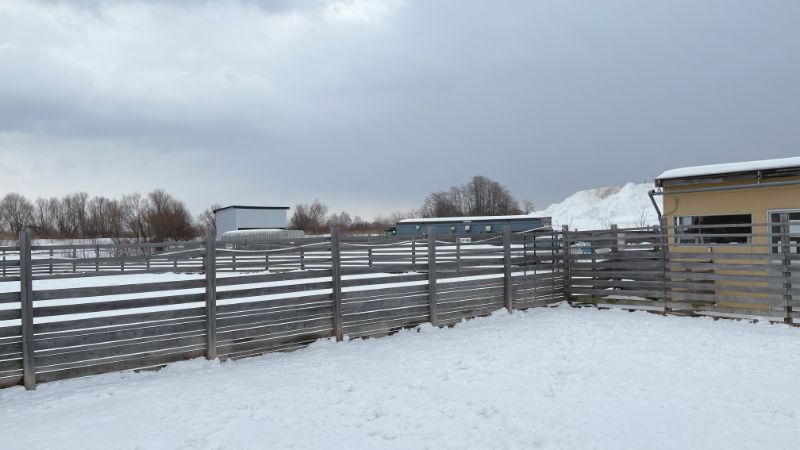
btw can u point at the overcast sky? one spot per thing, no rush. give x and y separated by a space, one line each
369 105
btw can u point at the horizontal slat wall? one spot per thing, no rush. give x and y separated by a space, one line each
281 297
647 269
90 330
262 313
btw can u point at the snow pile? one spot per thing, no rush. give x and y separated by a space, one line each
625 206
547 378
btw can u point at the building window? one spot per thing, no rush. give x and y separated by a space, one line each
716 229
488 228
778 231
417 226
467 227
452 228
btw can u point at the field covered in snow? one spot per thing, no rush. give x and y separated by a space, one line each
550 378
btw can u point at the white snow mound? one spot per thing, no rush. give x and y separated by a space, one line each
626 206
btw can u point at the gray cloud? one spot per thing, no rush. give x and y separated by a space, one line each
370 104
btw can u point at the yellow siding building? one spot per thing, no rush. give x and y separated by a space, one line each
723 213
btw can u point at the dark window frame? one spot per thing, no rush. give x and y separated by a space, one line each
716 222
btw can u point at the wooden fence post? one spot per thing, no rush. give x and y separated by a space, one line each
413 255
787 269
26 309
336 283
458 254
566 245
302 259
432 275
664 242
211 295
509 295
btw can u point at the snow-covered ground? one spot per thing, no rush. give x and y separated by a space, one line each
593 209
556 378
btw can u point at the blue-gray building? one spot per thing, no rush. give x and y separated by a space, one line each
469 226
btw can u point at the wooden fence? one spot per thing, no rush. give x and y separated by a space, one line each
755 273
227 301
230 301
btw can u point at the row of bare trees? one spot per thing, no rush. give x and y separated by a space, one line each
480 196
157 216
314 219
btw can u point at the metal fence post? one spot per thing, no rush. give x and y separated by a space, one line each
26 309
432 275
509 295
787 269
211 295
336 283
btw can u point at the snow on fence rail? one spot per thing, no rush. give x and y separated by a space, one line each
254 298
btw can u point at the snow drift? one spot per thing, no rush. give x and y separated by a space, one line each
625 206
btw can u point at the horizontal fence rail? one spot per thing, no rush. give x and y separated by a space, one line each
692 270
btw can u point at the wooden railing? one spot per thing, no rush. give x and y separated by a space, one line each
228 301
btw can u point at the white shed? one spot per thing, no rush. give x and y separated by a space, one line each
236 217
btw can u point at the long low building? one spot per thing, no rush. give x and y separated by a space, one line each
469 226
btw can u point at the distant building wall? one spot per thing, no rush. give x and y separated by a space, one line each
261 218
225 220
470 227
235 218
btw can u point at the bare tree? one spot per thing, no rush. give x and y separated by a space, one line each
481 196
528 206
167 218
73 208
206 220
309 218
341 220
134 215
44 216
644 218
16 212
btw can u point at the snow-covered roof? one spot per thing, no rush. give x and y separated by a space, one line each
469 218
747 166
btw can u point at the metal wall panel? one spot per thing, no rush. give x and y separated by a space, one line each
260 218
225 220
